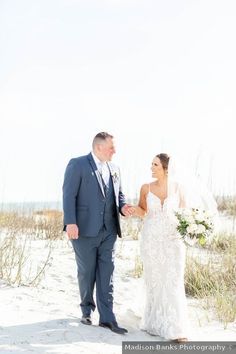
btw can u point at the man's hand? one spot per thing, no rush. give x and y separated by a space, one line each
72 231
127 210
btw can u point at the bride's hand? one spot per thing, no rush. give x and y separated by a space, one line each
137 211
127 210
132 210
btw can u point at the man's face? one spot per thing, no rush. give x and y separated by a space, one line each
106 149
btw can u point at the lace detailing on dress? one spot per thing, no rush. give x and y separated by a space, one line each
163 255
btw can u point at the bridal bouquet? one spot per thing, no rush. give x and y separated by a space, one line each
194 225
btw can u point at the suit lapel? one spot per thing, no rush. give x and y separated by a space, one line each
116 185
97 174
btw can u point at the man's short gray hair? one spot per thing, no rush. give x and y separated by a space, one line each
100 138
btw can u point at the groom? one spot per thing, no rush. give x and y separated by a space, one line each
92 201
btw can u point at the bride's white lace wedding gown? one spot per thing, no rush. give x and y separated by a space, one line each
163 256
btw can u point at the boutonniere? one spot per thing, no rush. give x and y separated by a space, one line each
115 176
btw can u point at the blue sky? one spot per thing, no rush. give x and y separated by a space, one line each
159 75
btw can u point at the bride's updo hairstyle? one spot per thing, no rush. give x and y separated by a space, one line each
164 158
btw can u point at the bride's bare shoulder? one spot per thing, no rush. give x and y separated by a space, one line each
145 188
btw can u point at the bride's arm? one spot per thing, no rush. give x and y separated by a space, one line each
141 209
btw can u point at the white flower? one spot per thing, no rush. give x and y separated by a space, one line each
191 229
190 219
200 229
200 216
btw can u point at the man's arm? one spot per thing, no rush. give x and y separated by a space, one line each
70 190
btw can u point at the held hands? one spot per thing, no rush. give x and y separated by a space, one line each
72 231
128 210
133 210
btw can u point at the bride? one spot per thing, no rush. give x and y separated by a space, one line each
162 250
163 256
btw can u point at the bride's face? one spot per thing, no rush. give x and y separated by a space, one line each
157 169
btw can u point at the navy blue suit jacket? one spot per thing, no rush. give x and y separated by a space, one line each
83 195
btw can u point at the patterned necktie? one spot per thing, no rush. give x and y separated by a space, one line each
105 187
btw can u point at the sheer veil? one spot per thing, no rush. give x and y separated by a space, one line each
193 192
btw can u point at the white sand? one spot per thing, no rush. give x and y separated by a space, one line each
46 319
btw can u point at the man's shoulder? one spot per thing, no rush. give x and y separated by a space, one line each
79 159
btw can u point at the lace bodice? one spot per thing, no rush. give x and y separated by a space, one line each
155 206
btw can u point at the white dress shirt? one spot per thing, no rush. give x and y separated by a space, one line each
102 168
